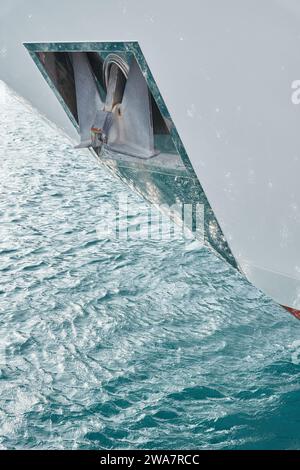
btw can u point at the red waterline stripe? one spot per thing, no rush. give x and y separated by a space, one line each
293 311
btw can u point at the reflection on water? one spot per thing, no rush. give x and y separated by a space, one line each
124 343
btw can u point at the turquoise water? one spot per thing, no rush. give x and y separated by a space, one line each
125 343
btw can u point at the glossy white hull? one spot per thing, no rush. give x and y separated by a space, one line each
228 73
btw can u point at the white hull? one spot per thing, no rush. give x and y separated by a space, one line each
226 72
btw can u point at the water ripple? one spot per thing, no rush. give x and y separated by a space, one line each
124 344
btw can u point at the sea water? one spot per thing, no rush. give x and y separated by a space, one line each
112 343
